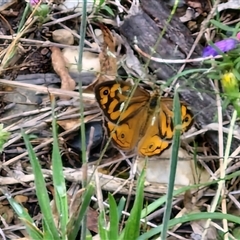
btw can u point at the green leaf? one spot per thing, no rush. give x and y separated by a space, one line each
222 26
114 218
88 235
108 9
225 65
60 197
42 11
236 232
46 234
132 228
173 162
23 215
33 231
236 73
186 73
237 67
189 218
102 226
41 191
121 205
214 76
4 136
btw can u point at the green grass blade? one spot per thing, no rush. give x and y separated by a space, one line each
114 218
23 215
121 206
132 229
82 211
83 27
188 218
46 233
173 163
24 16
33 231
160 201
41 191
186 73
102 227
60 198
222 26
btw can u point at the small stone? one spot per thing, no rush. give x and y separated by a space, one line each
90 60
63 36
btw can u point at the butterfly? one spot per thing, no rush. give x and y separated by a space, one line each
139 119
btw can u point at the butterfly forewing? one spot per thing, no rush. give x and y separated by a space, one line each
114 100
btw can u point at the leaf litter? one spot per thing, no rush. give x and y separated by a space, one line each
116 56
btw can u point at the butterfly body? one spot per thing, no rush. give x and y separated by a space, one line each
138 119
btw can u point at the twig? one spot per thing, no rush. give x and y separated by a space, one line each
47 43
54 91
176 61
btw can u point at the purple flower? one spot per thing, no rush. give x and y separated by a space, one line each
34 2
222 46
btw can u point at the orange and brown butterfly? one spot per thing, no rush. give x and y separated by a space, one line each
139 119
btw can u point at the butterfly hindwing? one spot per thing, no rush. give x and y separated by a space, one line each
159 134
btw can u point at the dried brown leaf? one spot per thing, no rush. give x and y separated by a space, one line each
59 66
21 198
7 213
68 124
92 220
107 58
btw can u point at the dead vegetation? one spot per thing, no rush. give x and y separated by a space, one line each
36 63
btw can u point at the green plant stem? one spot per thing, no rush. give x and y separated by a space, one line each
84 158
173 164
80 55
26 11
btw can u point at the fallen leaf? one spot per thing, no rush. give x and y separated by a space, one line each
92 220
72 123
107 58
68 124
7 213
21 199
59 66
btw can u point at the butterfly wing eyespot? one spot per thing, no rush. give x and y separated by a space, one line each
124 136
105 92
152 145
104 95
187 118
